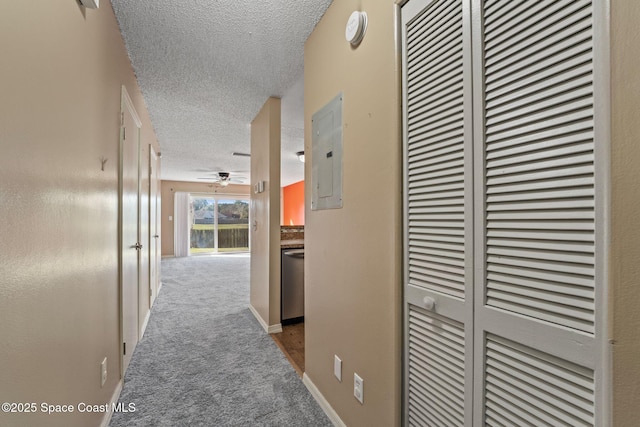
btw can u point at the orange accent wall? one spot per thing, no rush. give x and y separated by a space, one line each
293 204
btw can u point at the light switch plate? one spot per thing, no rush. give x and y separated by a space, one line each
337 367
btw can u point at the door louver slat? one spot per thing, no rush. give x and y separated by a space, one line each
440 81
524 276
573 67
436 346
536 90
553 22
441 47
574 144
499 7
436 17
438 101
445 165
537 386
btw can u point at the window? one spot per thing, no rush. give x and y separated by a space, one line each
218 225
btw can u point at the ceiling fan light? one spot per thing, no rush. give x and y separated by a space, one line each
224 182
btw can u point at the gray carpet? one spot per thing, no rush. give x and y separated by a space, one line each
204 359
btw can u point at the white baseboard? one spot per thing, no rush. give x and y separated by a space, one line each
275 329
270 329
144 324
106 419
326 407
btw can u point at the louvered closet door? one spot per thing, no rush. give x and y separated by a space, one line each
536 308
438 208
505 222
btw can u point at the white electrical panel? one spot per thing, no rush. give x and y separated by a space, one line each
326 158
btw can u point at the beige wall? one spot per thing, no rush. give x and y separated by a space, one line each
60 83
624 256
265 213
168 191
353 255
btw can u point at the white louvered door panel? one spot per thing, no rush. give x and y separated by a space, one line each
536 353
438 205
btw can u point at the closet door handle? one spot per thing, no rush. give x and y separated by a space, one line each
429 303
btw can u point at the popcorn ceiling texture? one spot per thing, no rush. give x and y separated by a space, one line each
206 67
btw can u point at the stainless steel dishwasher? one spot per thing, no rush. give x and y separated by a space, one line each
292 291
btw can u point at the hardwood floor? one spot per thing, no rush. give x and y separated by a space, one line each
291 342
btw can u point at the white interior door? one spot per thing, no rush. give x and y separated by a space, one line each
129 228
154 224
144 297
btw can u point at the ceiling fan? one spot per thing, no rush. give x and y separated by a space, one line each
224 178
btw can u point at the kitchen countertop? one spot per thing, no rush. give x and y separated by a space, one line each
292 244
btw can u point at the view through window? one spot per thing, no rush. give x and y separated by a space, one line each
218 225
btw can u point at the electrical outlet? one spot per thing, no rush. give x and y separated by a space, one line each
103 372
358 387
337 367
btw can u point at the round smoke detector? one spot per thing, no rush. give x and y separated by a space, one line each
356 27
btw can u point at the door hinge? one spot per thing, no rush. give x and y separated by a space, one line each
124 133
124 348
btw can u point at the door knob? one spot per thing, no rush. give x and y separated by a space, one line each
429 303
138 246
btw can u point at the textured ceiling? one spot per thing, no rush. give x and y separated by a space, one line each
206 67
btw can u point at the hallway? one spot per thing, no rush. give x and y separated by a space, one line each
204 360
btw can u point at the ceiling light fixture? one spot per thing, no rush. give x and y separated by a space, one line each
235 153
300 155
